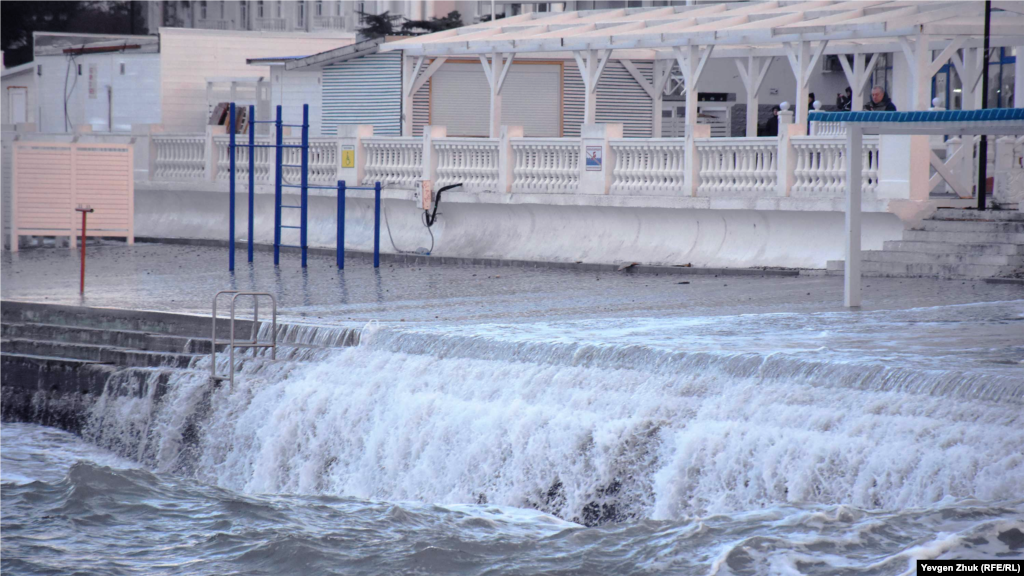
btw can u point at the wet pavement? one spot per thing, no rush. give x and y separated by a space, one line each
184 279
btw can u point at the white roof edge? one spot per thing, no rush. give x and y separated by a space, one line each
14 70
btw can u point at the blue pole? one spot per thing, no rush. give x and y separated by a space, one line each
231 190
340 250
305 176
277 190
376 225
252 174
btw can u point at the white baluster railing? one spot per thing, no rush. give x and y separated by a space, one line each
821 166
827 129
322 159
737 166
397 162
546 165
869 176
179 156
264 159
649 165
471 161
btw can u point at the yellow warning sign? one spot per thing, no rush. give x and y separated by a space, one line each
348 157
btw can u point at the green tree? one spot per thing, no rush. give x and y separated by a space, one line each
452 20
377 25
21 19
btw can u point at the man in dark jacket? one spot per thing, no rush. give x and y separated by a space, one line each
880 101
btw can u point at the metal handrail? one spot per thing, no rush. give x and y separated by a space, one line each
232 343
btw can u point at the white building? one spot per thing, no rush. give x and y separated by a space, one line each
110 83
19 94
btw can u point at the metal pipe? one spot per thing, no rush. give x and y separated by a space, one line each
305 179
340 248
277 189
84 210
231 190
376 225
983 145
252 174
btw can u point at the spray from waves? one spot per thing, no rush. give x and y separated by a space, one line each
590 434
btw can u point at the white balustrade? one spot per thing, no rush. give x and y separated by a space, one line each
546 165
821 166
329 23
278 24
737 166
396 162
179 156
827 129
648 165
323 160
869 174
473 162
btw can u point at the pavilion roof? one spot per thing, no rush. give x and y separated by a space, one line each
735 29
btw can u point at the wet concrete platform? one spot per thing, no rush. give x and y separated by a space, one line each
177 278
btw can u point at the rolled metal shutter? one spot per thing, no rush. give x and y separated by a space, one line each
619 99
460 99
366 90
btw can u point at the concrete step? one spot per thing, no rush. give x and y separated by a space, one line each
987 215
195 326
909 257
130 339
903 269
50 391
953 247
1011 227
964 237
95 353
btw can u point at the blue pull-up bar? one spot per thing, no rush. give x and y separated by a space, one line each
279 185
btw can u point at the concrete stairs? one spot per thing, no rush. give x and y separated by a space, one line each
955 243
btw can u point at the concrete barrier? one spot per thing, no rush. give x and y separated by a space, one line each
690 231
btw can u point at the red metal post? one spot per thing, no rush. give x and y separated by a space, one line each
84 210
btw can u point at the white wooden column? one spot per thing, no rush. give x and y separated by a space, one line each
969 68
851 276
591 63
752 75
923 67
803 60
496 71
1018 82
858 77
412 81
691 60
654 89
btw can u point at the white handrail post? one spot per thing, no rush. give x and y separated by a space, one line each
787 156
351 156
210 152
431 133
903 174
690 159
596 163
506 159
851 277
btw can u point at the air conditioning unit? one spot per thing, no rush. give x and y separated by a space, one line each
831 64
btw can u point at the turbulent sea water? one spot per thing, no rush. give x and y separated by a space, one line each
764 444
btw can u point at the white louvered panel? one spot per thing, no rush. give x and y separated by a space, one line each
5 172
460 99
619 99
364 90
421 107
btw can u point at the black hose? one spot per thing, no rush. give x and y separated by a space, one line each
432 217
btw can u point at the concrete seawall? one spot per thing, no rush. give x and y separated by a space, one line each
804 233
57 360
